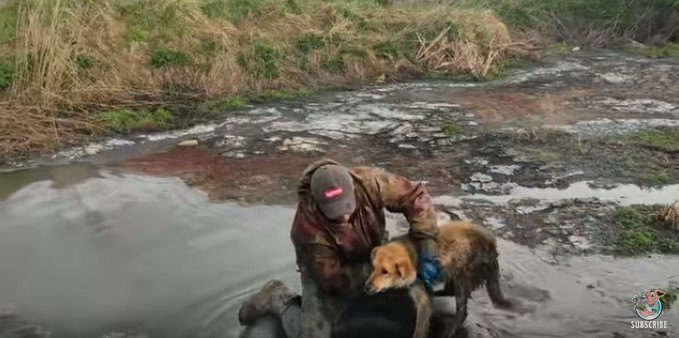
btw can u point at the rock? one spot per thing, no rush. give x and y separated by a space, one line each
575 49
273 139
406 146
302 144
381 79
507 170
188 143
430 129
495 223
444 142
403 129
481 177
477 161
602 185
582 243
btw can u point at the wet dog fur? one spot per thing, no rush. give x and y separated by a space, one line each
468 257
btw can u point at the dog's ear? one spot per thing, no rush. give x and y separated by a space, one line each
404 269
372 253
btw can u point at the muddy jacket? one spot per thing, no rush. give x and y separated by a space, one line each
338 256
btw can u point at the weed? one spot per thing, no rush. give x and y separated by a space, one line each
664 51
661 139
138 33
282 95
169 58
8 20
655 178
266 61
669 298
237 10
638 232
334 65
232 103
84 61
452 129
393 49
561 48
309 41
5 75
126 120
354 18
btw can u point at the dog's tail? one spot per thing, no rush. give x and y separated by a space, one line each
493 281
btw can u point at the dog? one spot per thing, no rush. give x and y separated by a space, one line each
468 257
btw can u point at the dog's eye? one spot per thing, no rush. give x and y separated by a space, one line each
384 271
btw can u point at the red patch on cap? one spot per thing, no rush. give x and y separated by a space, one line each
333 192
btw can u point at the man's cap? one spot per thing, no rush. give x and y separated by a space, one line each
332 187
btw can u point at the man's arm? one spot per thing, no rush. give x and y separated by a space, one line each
328 271
410 199
316 254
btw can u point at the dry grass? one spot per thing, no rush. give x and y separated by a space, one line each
73 58
670 216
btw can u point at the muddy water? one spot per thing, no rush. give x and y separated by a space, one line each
87 252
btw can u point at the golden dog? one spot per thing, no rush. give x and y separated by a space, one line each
468 257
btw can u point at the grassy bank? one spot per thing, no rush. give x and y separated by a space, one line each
71 61
71 69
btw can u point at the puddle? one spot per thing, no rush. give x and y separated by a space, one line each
123 251
624 194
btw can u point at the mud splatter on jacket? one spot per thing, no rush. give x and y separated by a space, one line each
338 256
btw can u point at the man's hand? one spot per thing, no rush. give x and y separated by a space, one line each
429 270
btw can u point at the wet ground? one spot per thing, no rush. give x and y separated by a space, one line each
140 235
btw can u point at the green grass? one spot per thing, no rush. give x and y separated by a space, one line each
282 95
662 139
237 10
334 65
670 50
655 178
561 48
126 120
578 18
262 61
232 103
636 232
310 41
8 19
669 298
452 129
164 57
5 75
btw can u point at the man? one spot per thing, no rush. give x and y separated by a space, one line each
340 219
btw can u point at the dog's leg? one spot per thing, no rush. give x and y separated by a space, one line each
424 310
461 296
448 289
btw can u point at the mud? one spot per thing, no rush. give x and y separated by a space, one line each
546 158
127 255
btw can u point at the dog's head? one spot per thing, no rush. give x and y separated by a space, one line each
392 268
